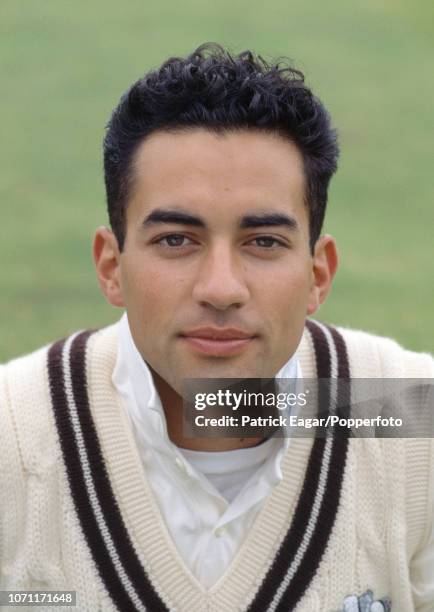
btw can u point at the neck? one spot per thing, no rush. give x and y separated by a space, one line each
173 410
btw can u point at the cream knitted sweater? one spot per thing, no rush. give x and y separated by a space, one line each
77 512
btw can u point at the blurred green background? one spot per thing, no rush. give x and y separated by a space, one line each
64 66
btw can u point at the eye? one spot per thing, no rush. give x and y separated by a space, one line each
267 242
174 240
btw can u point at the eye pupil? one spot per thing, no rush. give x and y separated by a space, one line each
175 240
265 241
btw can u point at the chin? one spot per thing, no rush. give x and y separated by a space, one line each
225 370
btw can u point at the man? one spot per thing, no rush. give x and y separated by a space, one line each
217 170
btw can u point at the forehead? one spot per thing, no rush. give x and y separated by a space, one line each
221 174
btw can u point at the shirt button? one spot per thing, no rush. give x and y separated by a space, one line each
219 532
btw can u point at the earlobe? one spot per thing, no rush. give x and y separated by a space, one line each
106 256
324 266
314 302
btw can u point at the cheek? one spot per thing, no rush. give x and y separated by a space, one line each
285 298
288 289
150 289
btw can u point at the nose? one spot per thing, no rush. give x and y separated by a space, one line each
220 282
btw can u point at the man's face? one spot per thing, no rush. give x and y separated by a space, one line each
216 272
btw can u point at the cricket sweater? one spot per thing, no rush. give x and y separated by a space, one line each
77 513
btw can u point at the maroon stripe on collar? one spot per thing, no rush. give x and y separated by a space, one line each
341 349
321 350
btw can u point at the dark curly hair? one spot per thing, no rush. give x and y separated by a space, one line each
215 90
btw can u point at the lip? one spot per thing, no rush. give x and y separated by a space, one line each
218 341
217 333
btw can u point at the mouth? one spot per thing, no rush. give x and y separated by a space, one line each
219 342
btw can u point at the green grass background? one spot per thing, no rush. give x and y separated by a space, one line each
63 68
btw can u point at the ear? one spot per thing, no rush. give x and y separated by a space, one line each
106 256
324 266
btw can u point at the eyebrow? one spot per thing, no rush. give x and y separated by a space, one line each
246 222
268 220
172 216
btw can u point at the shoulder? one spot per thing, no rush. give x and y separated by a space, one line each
373 356
24 378
369 355
26 387
34 364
